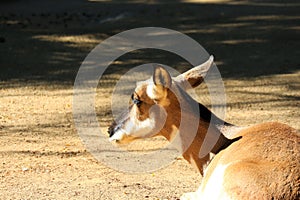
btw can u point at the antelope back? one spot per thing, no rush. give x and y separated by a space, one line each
263 164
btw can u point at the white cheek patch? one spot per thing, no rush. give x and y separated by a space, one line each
155 92
150 91
140 129
134 130
118 136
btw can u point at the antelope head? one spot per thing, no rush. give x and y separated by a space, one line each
155 105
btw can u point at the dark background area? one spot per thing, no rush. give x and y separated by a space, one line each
248 38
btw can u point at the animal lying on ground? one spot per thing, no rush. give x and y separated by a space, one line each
256 162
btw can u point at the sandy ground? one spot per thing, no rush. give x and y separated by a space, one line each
41 48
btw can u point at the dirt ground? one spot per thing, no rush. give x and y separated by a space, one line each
42 44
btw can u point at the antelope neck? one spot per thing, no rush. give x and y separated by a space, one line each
218 126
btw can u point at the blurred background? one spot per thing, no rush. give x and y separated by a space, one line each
47 40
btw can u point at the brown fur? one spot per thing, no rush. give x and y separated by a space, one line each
174 120
263 164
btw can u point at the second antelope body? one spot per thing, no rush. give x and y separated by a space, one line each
256 162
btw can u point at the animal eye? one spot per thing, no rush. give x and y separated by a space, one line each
135 100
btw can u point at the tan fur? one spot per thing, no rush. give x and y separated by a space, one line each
264 164
260 162
173 120
172 105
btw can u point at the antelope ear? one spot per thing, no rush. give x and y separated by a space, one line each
194 76
161 77
161 82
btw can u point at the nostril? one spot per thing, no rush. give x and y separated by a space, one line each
114 127
110 131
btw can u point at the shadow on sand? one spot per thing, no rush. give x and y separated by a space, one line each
45 42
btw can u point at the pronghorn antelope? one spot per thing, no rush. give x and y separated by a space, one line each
255 162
